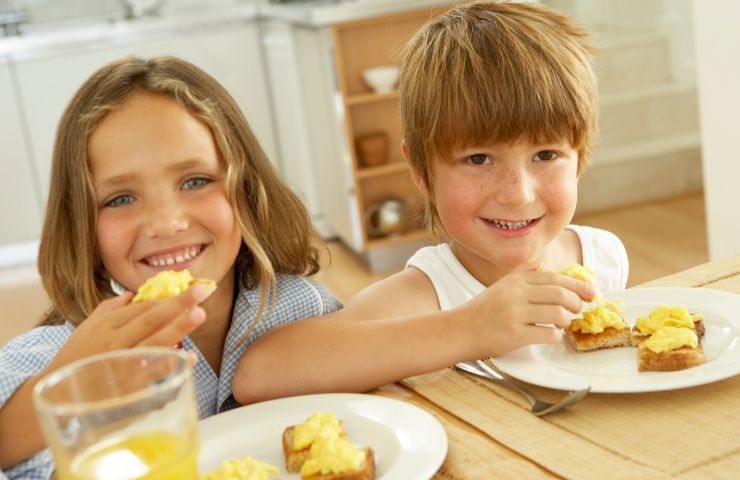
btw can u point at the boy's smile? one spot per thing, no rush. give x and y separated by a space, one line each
160 190
504 204
512 228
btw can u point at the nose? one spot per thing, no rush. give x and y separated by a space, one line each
165 218
515 187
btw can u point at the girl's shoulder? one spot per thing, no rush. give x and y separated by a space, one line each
296 295
28 354
39 337
604 253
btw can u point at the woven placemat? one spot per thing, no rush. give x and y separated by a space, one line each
692 433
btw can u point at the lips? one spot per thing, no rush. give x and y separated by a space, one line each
174 258
512 228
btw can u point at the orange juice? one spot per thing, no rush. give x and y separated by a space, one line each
153 456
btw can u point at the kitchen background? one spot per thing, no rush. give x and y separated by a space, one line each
299 71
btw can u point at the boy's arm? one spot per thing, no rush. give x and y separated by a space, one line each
394 330
330 353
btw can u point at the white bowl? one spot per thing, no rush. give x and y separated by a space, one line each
381 79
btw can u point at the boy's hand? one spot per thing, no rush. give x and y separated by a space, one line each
116 323
511 313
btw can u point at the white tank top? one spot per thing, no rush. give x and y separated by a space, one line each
602 252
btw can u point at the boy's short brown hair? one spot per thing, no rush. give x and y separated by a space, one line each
496 72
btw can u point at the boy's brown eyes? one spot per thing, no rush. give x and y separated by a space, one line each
547 155
478 159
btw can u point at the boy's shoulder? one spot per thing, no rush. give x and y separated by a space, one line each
604 253
404 293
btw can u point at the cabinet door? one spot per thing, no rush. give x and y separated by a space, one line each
232 57
20 213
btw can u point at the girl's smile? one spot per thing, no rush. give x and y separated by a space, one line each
176 258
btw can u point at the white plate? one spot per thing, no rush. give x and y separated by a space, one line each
615 370
408 442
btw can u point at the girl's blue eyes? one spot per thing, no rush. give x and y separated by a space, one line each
542 156
194 182
120 201
189 184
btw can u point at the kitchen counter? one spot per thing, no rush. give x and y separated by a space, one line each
320 14
53 39
41 40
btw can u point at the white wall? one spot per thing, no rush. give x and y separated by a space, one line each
717 42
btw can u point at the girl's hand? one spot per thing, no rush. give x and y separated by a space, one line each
520 308
116 323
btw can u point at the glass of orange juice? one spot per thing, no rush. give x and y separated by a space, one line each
123 415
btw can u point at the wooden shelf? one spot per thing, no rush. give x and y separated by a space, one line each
398 239
387 169
365 98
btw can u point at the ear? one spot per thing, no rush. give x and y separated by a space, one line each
418 180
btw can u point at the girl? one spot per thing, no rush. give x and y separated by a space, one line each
155 168
499 108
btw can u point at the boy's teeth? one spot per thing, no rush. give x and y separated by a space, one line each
510 225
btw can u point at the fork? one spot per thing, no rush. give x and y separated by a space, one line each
539 408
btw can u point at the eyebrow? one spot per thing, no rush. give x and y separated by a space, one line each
126 177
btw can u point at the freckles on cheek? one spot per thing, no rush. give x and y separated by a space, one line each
562 197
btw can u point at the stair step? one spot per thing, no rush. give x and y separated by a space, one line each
628 60
647 148
640 114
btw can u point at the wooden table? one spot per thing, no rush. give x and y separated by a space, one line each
689 433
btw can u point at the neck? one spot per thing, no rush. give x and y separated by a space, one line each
211 336
559 253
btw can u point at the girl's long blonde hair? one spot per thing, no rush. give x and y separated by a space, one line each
275 226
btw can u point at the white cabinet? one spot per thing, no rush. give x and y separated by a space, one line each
309 126
20 211
231 55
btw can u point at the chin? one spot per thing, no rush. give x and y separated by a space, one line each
513 260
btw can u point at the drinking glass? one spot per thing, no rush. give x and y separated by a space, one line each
122 415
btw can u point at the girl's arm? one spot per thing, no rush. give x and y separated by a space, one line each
394 329
113 325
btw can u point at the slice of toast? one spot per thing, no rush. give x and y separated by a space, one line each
609 338
367 472
679 359
638 337
294 460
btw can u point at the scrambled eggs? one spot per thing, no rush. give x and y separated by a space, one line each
168 284
332 453
666 316
307 432
671 338
246 468
606 315
580 272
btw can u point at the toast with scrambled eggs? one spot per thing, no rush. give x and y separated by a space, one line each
666 316
599 327
170 284
669 349
318 449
